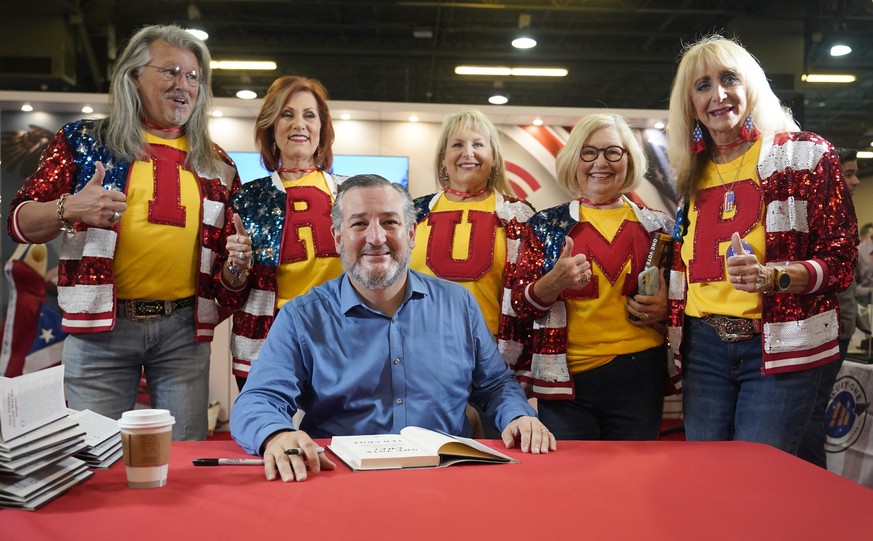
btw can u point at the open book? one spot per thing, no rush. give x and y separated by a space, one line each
414 447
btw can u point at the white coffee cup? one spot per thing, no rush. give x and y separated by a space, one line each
146 435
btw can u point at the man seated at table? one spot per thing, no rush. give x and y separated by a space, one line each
377 349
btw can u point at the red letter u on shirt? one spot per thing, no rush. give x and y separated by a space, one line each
480 256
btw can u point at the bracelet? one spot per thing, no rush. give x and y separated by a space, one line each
66 226
240 275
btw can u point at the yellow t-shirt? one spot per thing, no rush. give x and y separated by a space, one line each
308 257
465 242
597 324
157 252
709 235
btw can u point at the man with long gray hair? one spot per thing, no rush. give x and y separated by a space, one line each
141 199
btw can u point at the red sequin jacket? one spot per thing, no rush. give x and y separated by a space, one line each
86 276
261 204
544 367
808 219
512 335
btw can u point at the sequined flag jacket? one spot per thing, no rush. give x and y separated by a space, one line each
261 204
809 219
513 214
544 367
86 279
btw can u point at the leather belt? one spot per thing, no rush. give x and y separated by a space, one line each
733 329
146 309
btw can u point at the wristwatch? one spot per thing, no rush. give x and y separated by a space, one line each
782 281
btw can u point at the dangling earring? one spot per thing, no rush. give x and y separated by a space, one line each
698 144
750 132
491 176
444 176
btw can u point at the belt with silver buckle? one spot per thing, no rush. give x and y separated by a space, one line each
146 309
733 329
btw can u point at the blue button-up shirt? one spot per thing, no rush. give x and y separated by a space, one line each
354 370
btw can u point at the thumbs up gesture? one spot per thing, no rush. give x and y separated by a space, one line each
743 269
569 272
239 246
95 205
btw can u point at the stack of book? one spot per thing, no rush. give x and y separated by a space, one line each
102 437
38 439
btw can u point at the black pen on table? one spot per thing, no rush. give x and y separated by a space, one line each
245 461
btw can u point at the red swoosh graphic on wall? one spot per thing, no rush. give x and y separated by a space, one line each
523 175
546 138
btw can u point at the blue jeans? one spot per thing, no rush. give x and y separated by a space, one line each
726 397
621 400
102 370
812 447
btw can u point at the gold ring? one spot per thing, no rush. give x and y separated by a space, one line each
645 316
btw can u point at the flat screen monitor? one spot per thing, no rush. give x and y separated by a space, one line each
394 168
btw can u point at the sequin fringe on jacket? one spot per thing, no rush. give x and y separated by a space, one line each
808 219
513 214
86 277
544 368
255 309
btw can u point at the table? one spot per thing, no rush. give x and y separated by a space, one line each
849 427
587 490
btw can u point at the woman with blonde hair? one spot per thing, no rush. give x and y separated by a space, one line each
467 232
597 359
766 234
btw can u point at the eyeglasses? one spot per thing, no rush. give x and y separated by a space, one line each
174 72
612 154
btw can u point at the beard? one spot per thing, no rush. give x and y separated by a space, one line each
376 279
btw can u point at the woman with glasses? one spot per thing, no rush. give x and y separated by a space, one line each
598 362
286 215
766 234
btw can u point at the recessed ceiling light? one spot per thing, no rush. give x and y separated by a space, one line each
197 33
537 122
27 107
524 42
87 109
840 50
246 95
217 114
414 118
267 65
498 99
828 78
659 125
345 116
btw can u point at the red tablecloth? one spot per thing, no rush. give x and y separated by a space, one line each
587 490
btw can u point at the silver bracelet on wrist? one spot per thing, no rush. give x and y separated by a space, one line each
66 226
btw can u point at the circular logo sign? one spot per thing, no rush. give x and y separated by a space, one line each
846 414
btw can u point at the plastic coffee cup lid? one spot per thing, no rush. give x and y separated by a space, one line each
146 419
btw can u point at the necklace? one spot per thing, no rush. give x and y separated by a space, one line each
296 169
465 195
727 202
591 203
174 129
733 144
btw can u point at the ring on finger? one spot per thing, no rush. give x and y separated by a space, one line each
116 216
